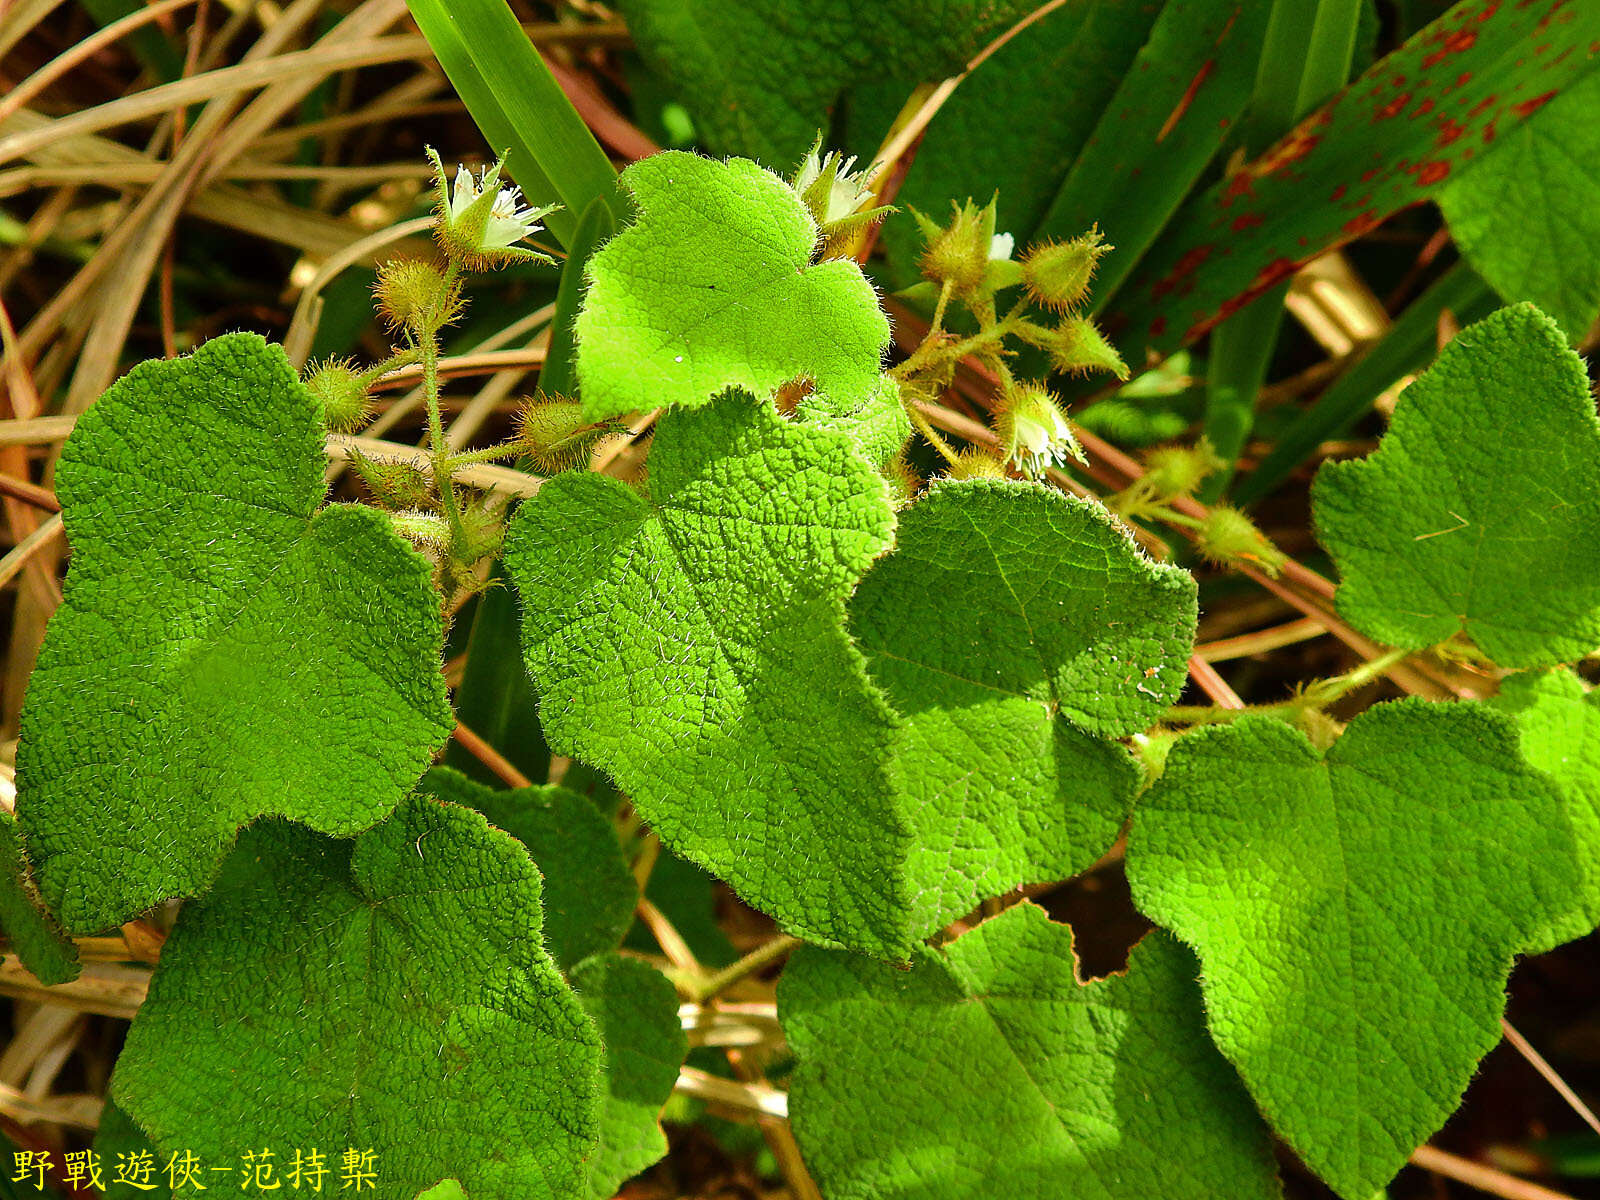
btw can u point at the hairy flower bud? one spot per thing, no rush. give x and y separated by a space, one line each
1057 274
977 463
1077 347
1229 538
961 252
394 483
555 436
413 295
341 392
424 530
1172 471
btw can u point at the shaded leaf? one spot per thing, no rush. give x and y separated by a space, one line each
1524 213
636 1010
589 893
389 993
32 932
988 1069
761 76
1387 141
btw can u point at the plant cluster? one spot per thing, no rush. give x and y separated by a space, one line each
859 616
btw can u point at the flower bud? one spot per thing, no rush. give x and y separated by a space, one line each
1229 538
1172 471
1033 433
413 295
1058 273
342 394
424 530
394 484
555 436
976 463
480 220
483 531
1077 347
962 251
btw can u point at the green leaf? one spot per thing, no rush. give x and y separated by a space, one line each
878 425
1355 913
1392 139
589 893
519 107
225 646
450 1189
1480 510
636 1010
1018 631
128 1161
762 78
389 993
712 286
988 1070
692 645
1524 214
32 932
1559 720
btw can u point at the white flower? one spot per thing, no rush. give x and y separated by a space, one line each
509 220
1036 434
481 219
831 188
1000 247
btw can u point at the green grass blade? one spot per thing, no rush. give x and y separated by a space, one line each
558 375
1294 74
519 106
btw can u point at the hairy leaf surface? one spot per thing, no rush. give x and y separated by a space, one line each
1355 913
33 933
692 644
589 894
389 993
988 1070
712 286
225 649
1480 510
1020 632
636 1010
